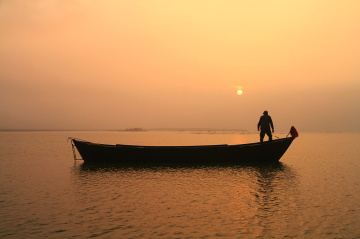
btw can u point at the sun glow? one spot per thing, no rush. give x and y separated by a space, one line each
239 92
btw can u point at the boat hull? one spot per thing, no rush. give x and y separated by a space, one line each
219 154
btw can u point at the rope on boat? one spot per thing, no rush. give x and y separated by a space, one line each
73 148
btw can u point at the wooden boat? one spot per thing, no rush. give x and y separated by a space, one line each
270 151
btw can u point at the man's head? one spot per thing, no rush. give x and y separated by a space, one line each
265 112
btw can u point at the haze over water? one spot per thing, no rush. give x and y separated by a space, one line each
312 193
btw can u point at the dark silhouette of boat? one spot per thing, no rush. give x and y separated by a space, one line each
269 152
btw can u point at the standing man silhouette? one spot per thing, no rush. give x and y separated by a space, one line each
264 124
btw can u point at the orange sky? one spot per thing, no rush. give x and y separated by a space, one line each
178 64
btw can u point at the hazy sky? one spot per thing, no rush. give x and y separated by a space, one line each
112 64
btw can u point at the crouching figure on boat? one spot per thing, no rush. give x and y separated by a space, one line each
264 125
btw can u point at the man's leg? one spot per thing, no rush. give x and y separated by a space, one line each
262 134
268 132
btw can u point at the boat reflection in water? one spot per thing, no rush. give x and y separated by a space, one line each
193 201
267 205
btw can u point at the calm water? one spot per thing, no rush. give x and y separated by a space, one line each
313 193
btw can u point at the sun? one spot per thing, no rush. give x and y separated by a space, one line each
239 92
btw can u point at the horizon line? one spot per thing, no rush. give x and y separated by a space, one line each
165 129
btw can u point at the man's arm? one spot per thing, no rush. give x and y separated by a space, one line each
258 126
272 125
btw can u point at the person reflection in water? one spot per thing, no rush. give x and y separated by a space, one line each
264 125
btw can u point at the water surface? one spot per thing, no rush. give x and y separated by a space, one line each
313 192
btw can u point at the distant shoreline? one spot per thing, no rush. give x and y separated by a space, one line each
129 130
193 130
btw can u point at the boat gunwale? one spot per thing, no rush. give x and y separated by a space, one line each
180 146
